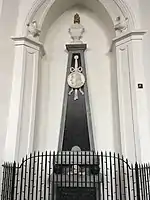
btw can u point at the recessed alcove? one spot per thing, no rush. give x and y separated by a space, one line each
101 77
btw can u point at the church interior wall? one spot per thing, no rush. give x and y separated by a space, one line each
145 16
13 16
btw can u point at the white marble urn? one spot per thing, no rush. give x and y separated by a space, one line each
76 30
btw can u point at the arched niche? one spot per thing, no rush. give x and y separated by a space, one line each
95 7
101 72
42 8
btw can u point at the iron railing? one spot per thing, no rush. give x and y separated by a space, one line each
75 175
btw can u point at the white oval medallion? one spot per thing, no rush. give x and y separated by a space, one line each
76 80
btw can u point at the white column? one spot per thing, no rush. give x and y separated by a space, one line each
21 121
1 7
133 110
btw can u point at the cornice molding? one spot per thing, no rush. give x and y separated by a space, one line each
76 47
137 34
126 37
26 41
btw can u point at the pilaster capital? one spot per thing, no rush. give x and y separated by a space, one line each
135 35
28 42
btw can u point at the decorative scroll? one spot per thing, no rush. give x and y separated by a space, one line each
76 79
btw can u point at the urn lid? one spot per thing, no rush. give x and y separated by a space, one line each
76 18
76 30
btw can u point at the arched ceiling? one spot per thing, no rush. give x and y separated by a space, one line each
45 12
59 7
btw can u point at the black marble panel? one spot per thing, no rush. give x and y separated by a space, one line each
76 131
76 193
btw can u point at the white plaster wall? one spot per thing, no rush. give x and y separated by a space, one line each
145 16
8 17
145 24
7 27
52 80
1 6
134 7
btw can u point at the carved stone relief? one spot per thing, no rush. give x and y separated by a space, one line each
33 29
121 25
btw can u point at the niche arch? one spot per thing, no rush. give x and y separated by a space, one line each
98 51
42 8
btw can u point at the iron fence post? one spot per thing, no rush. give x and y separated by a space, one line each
137 181
13 180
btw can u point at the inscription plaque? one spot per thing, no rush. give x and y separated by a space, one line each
76 193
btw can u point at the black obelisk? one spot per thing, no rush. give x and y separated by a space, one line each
76 124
